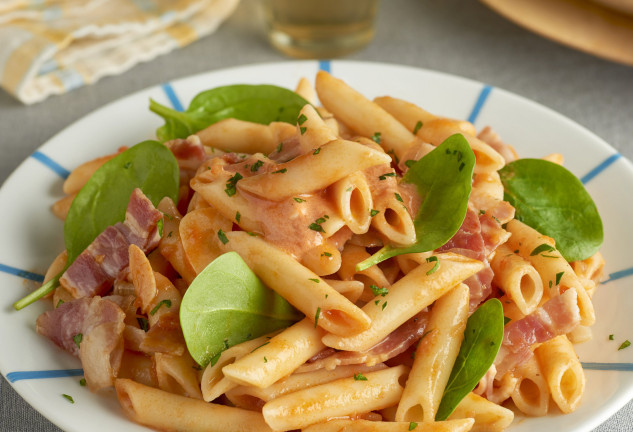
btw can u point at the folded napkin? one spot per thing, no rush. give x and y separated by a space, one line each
53 46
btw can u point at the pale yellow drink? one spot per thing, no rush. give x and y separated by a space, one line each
319 28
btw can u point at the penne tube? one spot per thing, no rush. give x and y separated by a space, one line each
407 297
351 289
61 207
353 201
198 232
435 356
321 304
306 91
488 416
517 278
346 396
239 136
362 115
143 279
414 118
336 425
278 357
213 383
556 273
166 411
373 275
170 245
242 396
313 171
312 130
394 222
408 262
531 394
437 130
562 371
176 374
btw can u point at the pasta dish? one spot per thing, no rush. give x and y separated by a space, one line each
315 260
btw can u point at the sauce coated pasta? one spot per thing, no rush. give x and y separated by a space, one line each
350 270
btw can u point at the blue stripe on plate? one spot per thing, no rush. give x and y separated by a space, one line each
481 100
325 65
21 273
619 275
603 166
50 163
608 366
43 374
173 98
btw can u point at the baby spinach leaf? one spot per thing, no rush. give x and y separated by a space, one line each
256 103
554 202
444 180
482 339
103 200
227 304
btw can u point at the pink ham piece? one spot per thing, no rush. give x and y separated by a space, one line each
557 316
468 241
91 328
397 342
106 258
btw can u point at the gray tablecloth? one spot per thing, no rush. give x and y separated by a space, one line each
454 36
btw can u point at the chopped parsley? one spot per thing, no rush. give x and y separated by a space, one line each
77 339
384 305
303 129
257 165
265 359
143 323
559 277
238 216
625 344
379 291
299 200
69 398
376 137
373 212
327 254
82 382
265 343
280 147
59 303
398 197
281 171
413 425
165 302
417 127
317 151
159 225
611 337
435 267
302 119
542 248
385 175
316 225
222 237
360 377
316 316
315 280
231 185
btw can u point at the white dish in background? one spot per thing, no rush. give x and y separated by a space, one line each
33 236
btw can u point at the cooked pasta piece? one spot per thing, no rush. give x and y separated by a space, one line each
531 393
488 416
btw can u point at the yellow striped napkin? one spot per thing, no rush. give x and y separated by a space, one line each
53 46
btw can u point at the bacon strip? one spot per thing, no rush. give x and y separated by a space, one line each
557 316
397 342
106 259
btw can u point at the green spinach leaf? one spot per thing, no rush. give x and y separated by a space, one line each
227 304
482 339
103 200
444 180
554 202
256 103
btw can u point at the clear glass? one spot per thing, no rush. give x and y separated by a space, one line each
319 28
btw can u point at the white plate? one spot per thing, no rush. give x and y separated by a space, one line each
33 236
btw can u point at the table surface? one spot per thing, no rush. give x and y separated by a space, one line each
454 36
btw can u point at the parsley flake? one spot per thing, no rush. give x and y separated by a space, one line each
542 248
82 382
222 237
281 171
376 137
165 302
385 175
69 398
303 129
257 165
611 337
360 377
417 127
77 339
379 291
398 197
625 344
159 225
413 425
315 280
231 187
327 254
316 316
435 267
280 147
143 323
299 200
384 305
238 216
317 151
559 277
302 119
373 212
